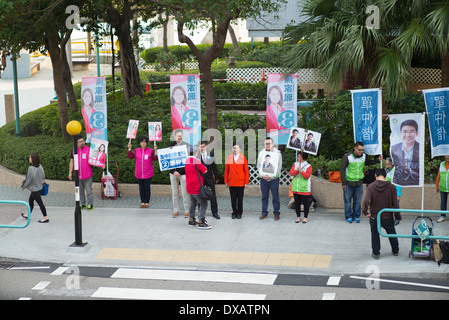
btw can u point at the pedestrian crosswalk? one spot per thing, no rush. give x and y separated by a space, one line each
175 284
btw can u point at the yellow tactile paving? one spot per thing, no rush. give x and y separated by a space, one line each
249 258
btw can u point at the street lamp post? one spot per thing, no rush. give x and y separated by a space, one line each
74 129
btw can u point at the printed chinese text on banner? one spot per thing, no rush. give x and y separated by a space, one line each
94 107
282 106
437 105
171 158
367 119
185 102
407 148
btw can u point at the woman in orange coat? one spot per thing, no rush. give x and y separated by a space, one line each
236 179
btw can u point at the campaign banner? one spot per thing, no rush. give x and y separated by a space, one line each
437 105
132 129
94 107
155 131
407 148
304 140
185 101
98 152
282 109
171 158
367 119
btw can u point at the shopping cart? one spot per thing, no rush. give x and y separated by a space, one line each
109 185
422 246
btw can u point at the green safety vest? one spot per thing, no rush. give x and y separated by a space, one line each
444 183
354 170
299 183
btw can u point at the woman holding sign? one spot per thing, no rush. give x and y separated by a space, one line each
144 169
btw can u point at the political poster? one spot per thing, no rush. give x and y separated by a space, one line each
269 163
132 129
367 119
94 107
185 101
407 148
282 107
155 131
171 158
437 105
98 152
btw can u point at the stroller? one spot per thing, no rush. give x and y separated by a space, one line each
422 247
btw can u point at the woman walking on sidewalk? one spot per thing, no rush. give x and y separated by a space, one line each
33 182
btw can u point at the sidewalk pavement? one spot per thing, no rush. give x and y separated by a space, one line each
118 233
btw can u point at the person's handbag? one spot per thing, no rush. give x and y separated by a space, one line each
334 176
206 192
44 190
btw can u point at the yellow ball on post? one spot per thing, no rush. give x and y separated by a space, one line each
73 128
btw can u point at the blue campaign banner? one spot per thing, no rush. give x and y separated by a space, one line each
437 105
367 119
171 158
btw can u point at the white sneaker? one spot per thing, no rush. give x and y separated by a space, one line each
441 219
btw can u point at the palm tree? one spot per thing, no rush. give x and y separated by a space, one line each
349 53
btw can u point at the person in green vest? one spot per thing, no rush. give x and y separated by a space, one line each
301 185
351 173
442 185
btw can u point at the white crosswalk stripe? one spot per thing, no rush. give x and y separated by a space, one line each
159 294
230 277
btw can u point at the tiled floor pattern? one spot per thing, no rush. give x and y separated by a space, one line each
249 258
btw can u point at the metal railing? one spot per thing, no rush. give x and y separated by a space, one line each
28 214
413 236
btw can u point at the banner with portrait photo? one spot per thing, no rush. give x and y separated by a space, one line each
407 148
185 102
296 138
94 107
155 131
98 153
312 142
437 105
269 163
133 125
367 119
282 109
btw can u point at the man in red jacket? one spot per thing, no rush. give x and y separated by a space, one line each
379 195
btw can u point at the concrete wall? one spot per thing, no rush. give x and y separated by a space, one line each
329 195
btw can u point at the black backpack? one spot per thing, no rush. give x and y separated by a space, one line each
444 246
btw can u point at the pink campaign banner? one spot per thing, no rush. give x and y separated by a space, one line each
185 102
94 107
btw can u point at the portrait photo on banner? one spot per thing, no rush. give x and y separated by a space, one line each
132 129
302 139
185 102
155 131
281 106
270 163
407 148
98 152
94 107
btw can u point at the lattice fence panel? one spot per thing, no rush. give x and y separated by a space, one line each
426 75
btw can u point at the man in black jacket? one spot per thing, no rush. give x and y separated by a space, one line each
211 176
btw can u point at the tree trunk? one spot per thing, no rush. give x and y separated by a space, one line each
58 79
445 68
130 72
205 62
67 78
209 93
